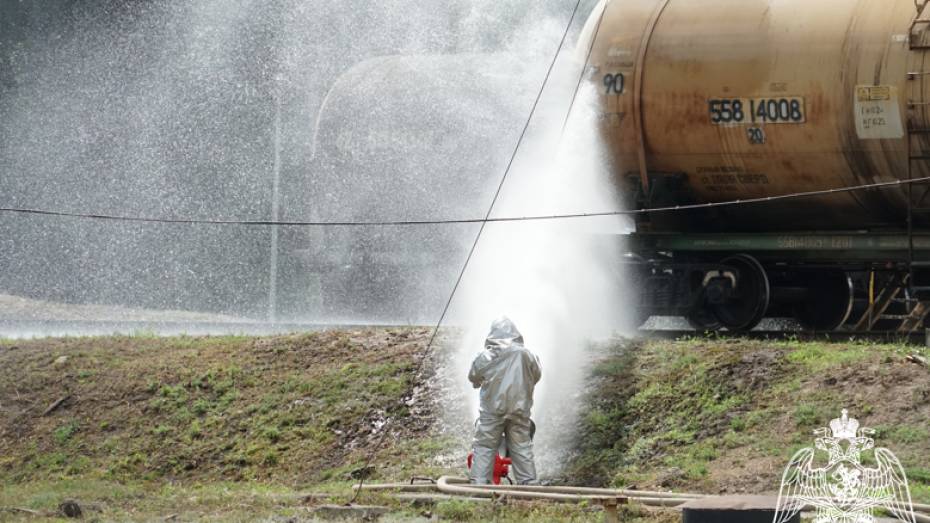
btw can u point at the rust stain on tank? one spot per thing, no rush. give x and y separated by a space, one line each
819 52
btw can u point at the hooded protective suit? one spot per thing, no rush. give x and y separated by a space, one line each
506 372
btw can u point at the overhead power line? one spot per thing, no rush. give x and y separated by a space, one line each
462 221
474 245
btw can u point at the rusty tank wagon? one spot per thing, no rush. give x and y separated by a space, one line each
787 107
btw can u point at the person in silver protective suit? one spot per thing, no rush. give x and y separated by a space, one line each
506 372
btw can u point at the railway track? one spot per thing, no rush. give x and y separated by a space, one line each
916 338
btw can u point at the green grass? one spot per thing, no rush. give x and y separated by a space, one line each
698 414
245 502
457 510
239 429
64 433
204 409
819 356
909 434
121 501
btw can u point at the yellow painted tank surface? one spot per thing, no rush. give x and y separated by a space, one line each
718 100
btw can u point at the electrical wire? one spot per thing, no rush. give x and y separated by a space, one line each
474 246
464 221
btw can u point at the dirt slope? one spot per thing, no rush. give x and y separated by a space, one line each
238 429
296 408
726 416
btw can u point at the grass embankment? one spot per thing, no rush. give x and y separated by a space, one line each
726 416
124 422
243 429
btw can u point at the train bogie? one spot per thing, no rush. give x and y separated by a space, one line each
794 138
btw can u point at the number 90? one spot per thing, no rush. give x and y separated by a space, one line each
615 83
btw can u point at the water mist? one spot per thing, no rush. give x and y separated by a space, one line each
550 277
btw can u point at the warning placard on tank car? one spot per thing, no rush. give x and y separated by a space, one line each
755 111
878 115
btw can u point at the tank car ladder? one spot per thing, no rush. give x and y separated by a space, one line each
878 307
916 299
920 4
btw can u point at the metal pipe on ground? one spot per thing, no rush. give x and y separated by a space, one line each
434 497
450 484
400 487
461 487
595 491
407 487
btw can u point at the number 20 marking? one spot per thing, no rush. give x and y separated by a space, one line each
756 135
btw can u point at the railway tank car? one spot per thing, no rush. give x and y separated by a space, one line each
402 137
713 102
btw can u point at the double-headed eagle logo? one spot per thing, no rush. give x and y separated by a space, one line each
844 490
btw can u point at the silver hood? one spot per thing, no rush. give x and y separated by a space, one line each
506 372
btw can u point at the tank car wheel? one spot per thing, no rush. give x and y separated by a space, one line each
750 301
703 320
829 300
